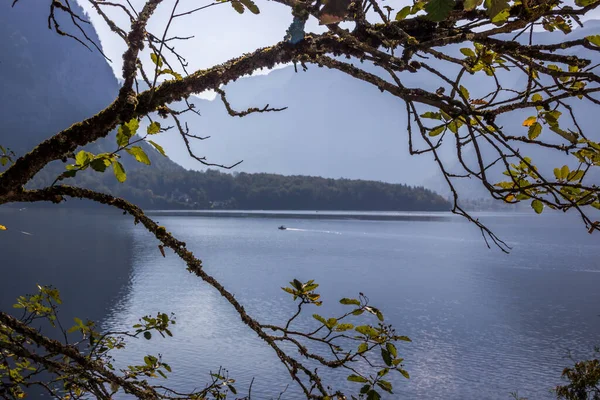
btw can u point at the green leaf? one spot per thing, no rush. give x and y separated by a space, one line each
343 327
99 164
387 359
392 349
453 126
82 157
403 338
69 174
472 4
153 128
131 127
122 139
139 154
576 175
468 52
331 322
379 315
157 147
288 290
174 74
119 171
148 335
366 330
537 97
538 206
320 319
126 131
593 39
74 327
564 172
464 92
347 301
311 287
432 115
436 131
552 117
373 395
404 373
156 60
356 378
363 347
439 10
237 6
557 173
534 131
250 5
403 13
495 8
501 17
385 385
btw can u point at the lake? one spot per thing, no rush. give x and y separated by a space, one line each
483 323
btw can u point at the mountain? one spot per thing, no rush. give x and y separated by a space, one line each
336 126
48 82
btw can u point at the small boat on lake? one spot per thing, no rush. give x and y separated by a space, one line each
282 228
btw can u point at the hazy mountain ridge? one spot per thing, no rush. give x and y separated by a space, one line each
337 126
49 82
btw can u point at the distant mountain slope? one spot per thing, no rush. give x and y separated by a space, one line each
337 126
48 82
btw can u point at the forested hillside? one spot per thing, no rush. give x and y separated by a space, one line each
52 82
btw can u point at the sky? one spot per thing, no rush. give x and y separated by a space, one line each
220 33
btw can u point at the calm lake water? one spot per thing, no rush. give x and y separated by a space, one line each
483 323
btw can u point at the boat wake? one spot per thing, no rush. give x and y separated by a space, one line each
313 230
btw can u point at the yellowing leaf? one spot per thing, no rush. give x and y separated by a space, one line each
594 39
158 147
156 60
496 9
139 154
119 171
467 52
530 121
2 228
557 173
437 131
564 172
472 4
432 115
403 13
153 128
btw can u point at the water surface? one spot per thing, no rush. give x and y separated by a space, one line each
483 323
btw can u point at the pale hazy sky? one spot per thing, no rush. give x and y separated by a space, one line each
220 32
